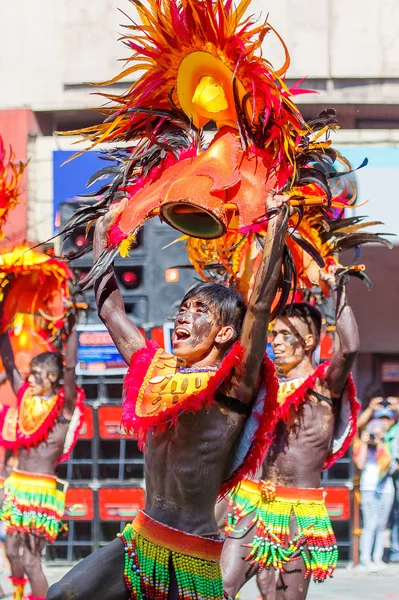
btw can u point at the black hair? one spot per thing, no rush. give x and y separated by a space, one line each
373 390
229 306
51 362
7 455
309 314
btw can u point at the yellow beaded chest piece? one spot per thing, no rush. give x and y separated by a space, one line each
167 383
288 386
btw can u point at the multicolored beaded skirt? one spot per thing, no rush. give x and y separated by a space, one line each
273 545
152 550
34 503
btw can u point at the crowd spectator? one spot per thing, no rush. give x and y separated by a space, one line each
372 457
379 403
380 416
392 438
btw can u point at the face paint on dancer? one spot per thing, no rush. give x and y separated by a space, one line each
292 339
195 331
40 382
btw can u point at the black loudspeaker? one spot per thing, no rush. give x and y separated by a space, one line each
170 272
153 279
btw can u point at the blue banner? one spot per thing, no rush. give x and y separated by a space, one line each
70 179
97 354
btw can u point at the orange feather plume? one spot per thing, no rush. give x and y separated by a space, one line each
10 178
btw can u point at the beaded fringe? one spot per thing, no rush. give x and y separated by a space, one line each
147 571
273 546
32 508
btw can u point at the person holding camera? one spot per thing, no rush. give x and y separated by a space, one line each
392 439
372 457
379 408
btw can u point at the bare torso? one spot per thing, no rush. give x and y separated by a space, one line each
45 456
185 467
301 446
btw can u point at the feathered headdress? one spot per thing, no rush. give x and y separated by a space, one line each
10 177
37 294
199 61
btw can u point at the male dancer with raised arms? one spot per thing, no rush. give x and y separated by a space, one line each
281 523
40 431
172 549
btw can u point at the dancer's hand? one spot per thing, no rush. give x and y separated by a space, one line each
274 201
330 276
100 239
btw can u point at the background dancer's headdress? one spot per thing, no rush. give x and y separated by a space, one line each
315 241
37 295
10 178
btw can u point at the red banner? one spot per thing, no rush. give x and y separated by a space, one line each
120 504
87 430
338 503
79 505
109 419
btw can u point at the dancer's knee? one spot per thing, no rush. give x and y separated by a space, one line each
233 580
266 581
58 592
12 554
230 586
235 571
13 545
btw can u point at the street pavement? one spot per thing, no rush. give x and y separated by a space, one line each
347 584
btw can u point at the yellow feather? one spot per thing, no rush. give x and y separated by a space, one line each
183 238
241 8
125 246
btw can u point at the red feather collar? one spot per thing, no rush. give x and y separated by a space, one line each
28 424
149 366
143 389
299 397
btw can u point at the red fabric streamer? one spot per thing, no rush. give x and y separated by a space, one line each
80 405
350 390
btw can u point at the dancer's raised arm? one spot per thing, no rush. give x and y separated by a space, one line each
110 305
245 381
7 356
342 362
71 357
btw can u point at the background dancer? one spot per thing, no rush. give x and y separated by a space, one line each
173 546
282 521
34 498
8 459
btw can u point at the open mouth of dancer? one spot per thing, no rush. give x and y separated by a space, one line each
180 334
